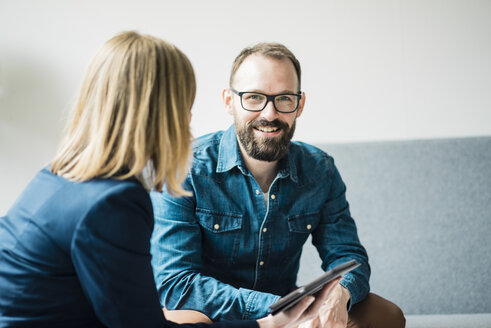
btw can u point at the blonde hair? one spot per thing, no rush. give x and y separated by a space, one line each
132 112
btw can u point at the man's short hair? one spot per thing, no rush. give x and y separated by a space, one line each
269 49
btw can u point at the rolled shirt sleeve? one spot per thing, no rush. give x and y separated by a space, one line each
336 239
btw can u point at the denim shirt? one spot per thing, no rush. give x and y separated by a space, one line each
229 253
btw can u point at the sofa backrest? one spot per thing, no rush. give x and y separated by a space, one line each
423 211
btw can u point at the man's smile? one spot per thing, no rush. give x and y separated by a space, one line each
267 131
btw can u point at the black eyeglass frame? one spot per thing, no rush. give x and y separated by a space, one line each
268 99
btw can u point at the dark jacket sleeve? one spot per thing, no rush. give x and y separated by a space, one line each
111 255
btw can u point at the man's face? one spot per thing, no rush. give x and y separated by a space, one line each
264 135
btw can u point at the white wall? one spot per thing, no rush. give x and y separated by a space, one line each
372 69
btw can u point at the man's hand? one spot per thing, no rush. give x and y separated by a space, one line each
334 312
307 309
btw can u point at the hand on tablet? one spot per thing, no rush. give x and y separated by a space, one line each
305 310
333 313
312 287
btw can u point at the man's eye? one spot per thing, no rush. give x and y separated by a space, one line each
284 98
255 97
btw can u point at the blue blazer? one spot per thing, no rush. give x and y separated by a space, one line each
78 255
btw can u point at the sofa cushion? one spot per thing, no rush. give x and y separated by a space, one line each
423 211
482 320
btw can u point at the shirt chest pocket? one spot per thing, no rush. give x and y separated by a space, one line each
299 229
220 235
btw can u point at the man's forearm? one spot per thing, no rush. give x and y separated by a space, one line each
217 300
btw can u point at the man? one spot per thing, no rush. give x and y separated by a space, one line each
232 249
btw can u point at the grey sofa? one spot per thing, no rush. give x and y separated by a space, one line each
423 211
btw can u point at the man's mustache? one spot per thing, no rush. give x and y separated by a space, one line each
274 124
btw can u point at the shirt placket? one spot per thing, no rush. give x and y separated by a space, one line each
264 239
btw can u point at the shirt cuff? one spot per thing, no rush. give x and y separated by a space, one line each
349 283
257 304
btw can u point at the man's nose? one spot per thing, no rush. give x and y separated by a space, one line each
269 112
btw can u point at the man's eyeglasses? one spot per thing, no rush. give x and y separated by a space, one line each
256 101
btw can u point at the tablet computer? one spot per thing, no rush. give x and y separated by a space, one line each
313 287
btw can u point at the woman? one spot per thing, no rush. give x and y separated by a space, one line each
74 248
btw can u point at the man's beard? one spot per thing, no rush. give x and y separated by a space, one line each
265 149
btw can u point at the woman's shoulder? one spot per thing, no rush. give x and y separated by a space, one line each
94 189
56 201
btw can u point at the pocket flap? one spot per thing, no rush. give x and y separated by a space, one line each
303 223
218 221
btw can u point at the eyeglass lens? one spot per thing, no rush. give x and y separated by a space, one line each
257 101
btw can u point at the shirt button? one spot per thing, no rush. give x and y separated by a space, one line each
273 196
309 226
265 229
261 263
257 192
216 226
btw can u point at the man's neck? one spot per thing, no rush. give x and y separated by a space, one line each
264 172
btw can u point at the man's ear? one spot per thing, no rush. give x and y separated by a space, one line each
301 104
227 100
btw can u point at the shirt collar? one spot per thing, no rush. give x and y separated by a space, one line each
229 156
229 152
